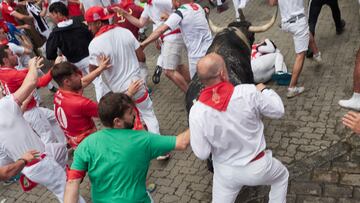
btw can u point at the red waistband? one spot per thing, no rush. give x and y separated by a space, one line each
259 156
35 161
143 98
170 33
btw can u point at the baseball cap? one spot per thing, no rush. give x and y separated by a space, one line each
96 13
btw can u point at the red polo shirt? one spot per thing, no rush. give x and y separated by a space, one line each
74 113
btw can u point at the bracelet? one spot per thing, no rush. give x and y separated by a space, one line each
21 159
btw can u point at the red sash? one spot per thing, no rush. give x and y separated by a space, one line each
170 33
25 183
104 29
217 96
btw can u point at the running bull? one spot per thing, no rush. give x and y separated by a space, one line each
233 43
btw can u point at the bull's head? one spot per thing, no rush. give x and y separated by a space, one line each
244 28
233 43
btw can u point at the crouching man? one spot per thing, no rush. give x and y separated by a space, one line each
226 122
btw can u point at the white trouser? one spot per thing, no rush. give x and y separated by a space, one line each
143 71
44 123
239 4
100 89
50 171
147 112
192 65
228 180
301 34
263 66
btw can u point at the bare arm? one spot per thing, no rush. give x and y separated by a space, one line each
103 65
20 16
8 171
155 35
183 140
140 54
30 81
72 191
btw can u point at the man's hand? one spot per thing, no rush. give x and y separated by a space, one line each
30 155
36 62
59 59
273 2
134 87
260 87
104 62
120 11
352 120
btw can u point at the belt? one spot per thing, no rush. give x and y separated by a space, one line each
293 19
35 161
259 156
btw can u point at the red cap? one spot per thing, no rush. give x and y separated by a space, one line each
96 13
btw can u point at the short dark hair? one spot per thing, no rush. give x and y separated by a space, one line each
3 53
113 105
63 70
59 7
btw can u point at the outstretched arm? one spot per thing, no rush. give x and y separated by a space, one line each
155 35
30 80
104 64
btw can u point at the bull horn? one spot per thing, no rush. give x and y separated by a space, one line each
265 27
241 15
214 28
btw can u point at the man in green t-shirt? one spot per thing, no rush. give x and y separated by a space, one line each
117 158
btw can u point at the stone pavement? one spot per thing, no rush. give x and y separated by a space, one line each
322 156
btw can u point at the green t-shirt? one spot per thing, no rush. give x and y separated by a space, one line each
117 161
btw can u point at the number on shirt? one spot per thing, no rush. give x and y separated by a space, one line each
60 114
195 7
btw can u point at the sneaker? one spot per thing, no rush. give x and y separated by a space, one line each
317 57
281 78
294 91
212 3
163 157
350 104
222 8
53 90
341 29
142 36
157 74
309 53
151 187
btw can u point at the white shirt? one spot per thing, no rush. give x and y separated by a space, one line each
290 8
90 3
120 44
23 59
16 136
40 24
236 136
154 12
194 28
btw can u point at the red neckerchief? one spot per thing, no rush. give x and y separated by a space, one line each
104 28
217 96
149 2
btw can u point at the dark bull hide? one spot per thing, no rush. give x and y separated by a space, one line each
233 43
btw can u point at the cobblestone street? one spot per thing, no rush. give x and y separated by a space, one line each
323 157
